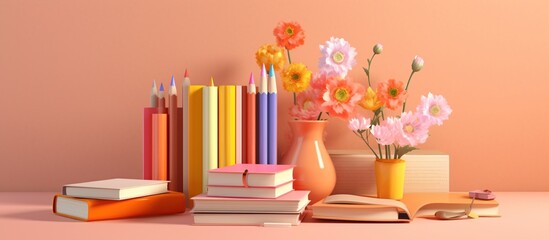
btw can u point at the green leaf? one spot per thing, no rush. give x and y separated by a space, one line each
403 150
366 71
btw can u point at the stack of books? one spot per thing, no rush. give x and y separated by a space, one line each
117 198
250 194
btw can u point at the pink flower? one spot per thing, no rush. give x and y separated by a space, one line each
392 93
435 108
415 129
341 97
358 124
338 57
388 131
307 105
318 84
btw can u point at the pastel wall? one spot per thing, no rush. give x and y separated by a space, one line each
76 74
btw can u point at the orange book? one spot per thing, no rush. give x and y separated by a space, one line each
160 147
84 209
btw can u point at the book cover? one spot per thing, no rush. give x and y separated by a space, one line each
94 209
359 208
256 175
195 140
290 202
238 125
222 119
116 189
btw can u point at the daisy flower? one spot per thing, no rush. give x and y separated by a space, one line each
415 129
341 97
296 78
387 132
392 93
289 35
358 124
269 54
338 57
435 108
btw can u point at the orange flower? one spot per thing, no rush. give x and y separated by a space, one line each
370 100
392 94
289 35
270 54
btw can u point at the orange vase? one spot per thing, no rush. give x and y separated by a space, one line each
314 170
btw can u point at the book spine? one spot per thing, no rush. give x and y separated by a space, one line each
195 140
222 117
244 116
209 132
230 127
160 146
161 204
147 142
238 127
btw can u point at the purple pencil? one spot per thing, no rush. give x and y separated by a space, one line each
272 99
262 109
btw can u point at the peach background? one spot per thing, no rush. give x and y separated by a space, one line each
76 74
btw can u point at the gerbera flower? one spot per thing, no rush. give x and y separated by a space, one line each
415 129
370 100
341 97
296 78
289 35
307 106
269 54
392 93
318 83
387 132
338 57
435 108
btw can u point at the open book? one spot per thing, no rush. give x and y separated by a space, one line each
359 208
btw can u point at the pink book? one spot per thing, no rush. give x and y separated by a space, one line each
147 141
251 175
251 192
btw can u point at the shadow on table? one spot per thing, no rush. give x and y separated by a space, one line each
37 215
180 219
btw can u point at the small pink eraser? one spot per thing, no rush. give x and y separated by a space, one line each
482 194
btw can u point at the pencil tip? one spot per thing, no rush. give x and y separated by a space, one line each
263 71
186 73
173 81
154 84
272 71
161 87
212 81
252 81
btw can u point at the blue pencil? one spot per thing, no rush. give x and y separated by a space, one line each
262 109
272 99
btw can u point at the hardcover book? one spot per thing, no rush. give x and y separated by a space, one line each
249 218
255 175
359 208
290 202
94 209
250 192
116 189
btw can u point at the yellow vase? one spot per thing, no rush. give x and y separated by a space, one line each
390 178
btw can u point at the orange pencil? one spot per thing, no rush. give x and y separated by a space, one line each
160 139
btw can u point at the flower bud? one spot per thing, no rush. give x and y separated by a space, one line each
378 48
417 64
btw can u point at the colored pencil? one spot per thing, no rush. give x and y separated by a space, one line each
272 112
262 108
185 132
251 122
175 167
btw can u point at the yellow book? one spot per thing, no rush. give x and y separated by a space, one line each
195 140
221 127
230 125
209 130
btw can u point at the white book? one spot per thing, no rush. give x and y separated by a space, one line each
116 189
209 132
250 192
261 219
290 202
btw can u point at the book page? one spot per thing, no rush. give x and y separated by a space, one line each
355 199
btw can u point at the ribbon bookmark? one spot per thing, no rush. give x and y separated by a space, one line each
245 178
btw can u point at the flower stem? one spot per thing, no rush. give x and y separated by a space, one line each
367 144
396 150
389 149
289 58
369 66
407 84
319 115
380 152
295 99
